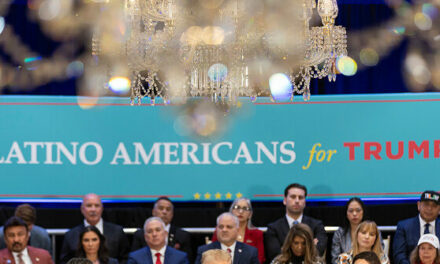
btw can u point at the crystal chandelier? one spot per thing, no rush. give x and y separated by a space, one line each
226 49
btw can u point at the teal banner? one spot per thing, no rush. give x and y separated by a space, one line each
382 146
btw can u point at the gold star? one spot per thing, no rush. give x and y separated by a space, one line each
197 196
218 195
207 196
239 104
238 195
228 195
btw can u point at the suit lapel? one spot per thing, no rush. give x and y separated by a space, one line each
35 259
237 253
172 236
168 258
9 259
284 229
149 257
437 227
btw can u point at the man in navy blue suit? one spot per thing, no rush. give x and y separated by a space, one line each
156 251
295 201
409 230
227 233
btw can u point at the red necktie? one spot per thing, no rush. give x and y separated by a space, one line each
158 258
20 259
229 250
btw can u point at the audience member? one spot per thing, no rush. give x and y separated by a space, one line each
366 257
295 202
16 235
177 237
366 238
156 250
39 238
116 240
216 256
427 250
227 233
92 246
247 233
410 230
298 248
79 261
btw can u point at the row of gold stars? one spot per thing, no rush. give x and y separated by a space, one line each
216 196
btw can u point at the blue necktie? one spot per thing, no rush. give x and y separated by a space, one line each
426 228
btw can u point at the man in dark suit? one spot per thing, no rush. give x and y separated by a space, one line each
156 251
409 230
227 233
16 234
177 237
116 240
295 201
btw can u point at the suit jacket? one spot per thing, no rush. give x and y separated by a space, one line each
277 232
116 242
37 255
243 254
39 239
252 237
143 256
177 238
406 238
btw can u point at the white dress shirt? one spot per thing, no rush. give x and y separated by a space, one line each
99 225
162 254
422 226
290 220
231 247
25 256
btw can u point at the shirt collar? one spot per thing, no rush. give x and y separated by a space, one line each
161 251
290 220
24 253
167 228
423 222
99 225
231 247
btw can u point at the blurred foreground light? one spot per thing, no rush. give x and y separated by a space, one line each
2 24
418 69
422 21
430 10
280 86
346 65
119 85
217 72
49 9
87 102
75 69
398 30
32 59
369 57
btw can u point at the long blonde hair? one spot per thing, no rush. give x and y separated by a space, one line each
303 231
367 226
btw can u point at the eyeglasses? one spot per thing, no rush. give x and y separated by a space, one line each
357 210
238 208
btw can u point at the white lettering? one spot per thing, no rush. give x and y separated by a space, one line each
272 156
34 146
243 152
190 153
206 153
171 153
15 152
62 149
288 152
155 149
48 153
82 153
215 153
121 153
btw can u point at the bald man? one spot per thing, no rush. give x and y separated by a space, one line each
116 240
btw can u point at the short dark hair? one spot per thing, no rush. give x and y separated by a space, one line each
368 256
295 185
163 198
27 213
14 221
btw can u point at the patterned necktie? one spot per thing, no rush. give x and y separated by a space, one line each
427 225
158 258
20 259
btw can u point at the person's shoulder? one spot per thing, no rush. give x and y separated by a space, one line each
4 251
211 245
37 251
139 252
179 230
175 252
408 221
246 247
112 261
255 232
75 230
112 227
39 230
277 222
310 219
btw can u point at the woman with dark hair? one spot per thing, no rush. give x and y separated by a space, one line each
92 246
247 232
354 214
298 247
366 238
427 251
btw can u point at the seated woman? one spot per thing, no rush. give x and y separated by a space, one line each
298 247
247 233
427 250
366 238
92 246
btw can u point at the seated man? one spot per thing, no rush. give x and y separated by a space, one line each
216 256
116 240
227 233
177 237
366 257
156 251
39 238
16 234
410 230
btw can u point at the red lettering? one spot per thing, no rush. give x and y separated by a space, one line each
399 154
368 151
436 149
424 146
351 146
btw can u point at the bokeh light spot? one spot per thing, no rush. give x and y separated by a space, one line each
398 30
346 65
280 86
369 57
217 72
2 24
429 10
75 69
49 9
119 84
422 21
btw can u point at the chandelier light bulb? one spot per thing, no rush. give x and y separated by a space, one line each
327 9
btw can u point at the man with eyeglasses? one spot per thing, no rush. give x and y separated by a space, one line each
295 202
177 237
410 230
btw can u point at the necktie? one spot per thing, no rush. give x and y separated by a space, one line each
295 222
20 259
158 258
229 250
426 228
